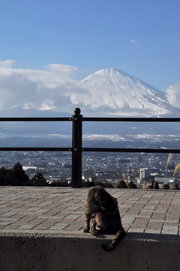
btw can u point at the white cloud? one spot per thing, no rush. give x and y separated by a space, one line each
173 95
61 68
6 63
49 88
134 42
113 137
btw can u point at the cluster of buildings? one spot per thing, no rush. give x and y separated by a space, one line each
168 179
142 169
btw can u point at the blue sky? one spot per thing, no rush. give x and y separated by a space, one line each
47 46
140 37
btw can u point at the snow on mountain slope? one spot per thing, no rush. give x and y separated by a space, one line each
115 92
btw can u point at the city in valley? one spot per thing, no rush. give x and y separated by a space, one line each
113 169
141 170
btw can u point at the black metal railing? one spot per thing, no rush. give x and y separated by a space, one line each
77 148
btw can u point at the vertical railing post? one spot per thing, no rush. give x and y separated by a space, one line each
77 149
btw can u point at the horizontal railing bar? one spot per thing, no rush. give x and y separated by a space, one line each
131 150
36 119
34 149
90 149
89 119
133 119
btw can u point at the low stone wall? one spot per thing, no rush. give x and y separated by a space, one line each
42 251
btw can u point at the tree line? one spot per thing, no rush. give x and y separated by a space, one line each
17 176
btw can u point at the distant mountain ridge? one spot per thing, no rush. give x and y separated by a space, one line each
123 94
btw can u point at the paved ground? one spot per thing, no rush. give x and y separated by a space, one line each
61 209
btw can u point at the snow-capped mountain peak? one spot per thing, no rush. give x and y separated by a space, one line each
123 94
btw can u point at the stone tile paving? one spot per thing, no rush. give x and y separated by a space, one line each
62 209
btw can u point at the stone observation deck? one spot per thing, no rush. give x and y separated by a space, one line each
62 209
32 216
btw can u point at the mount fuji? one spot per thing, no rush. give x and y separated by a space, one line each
107 92
114 92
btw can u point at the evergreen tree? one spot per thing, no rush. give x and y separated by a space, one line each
165 186
3 176
154 185
18 175
131 185
38 180
122 184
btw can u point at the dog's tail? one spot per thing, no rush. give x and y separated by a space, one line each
115 241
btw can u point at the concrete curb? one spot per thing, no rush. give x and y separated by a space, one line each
49 251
